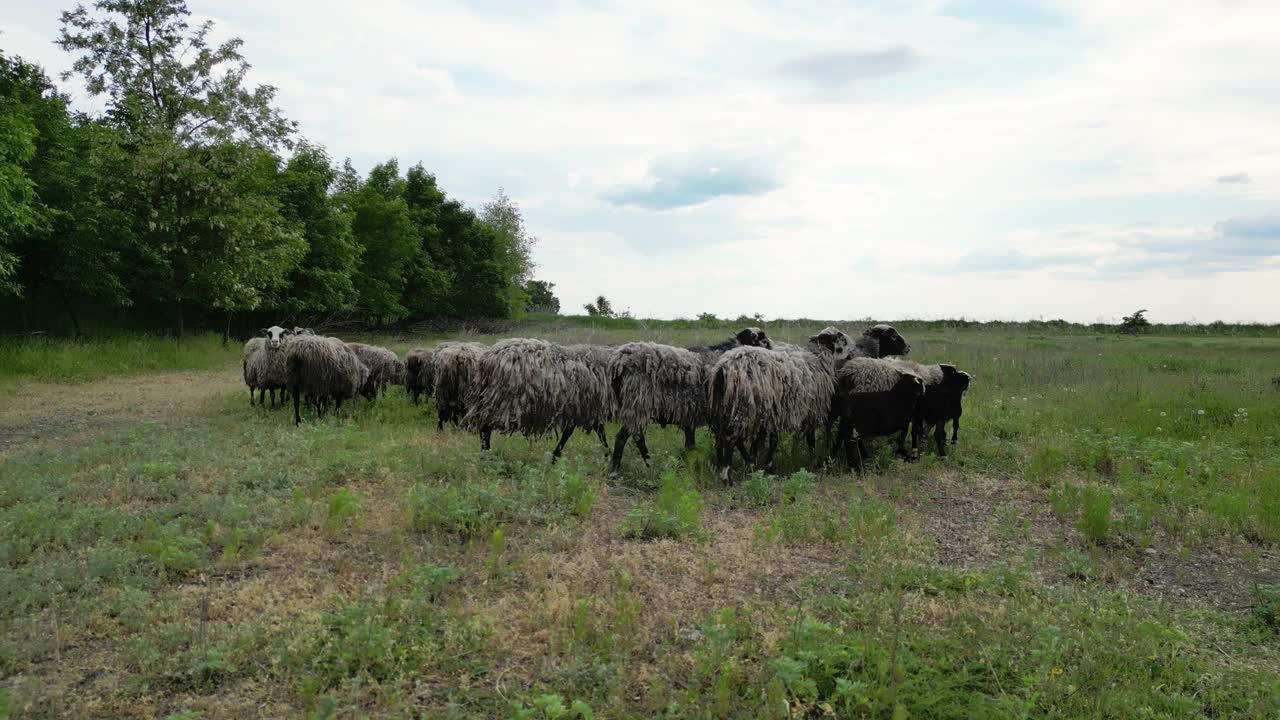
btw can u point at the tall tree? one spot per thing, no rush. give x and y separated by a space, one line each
515 245
20 86
208 224
323 282
542 296
391 247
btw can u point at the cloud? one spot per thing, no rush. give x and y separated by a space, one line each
692 179
837 70
1257 236
1234 178
1012 261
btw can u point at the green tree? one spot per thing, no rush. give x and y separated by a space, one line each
324 281
195 171
20 213
515 245
390 242
600 308
73 255
542 296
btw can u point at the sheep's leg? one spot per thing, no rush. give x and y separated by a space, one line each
940 437
603 440
688 437
251 391
862 447
619 442
773 448
643 447
564 438
297 409
337 404
748 456
262 396
486 438
955 429
855 449
811 439
724 455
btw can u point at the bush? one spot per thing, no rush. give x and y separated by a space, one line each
674 513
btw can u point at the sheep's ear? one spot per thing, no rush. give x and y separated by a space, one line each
948 370
264 332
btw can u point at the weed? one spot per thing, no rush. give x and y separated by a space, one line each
344 509
1095 517
674 513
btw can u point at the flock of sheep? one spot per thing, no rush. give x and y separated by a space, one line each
748 389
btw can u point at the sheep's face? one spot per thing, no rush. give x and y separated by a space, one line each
891 343
754 337
910 387
956 380
834 341
275 336
303 331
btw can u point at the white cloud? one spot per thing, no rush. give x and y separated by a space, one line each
992 139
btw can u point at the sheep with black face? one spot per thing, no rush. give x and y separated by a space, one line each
756 394
874 398
945 387
880 341
656 383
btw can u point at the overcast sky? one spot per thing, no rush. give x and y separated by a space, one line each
997 159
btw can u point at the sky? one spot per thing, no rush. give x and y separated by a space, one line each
989 159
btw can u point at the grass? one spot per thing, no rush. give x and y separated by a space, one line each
63 361
1100 544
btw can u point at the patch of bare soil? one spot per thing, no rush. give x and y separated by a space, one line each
978 521
42 411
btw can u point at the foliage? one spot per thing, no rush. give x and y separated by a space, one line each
542 297
674 513
1135 323
600 308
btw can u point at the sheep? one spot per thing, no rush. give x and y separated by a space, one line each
263 364
651 382
303 330
874 397
880 341
756 393
944 388
419 367
324 369
453 370
384 368
534 387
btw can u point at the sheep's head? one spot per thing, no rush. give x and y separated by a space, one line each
833 341
303 331
753 337
275 335
910 387
890 342
956 380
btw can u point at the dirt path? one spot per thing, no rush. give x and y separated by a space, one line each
41 411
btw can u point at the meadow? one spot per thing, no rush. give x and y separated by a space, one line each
1102 543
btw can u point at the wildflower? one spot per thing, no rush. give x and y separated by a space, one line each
1200 412
1159 429
1162 413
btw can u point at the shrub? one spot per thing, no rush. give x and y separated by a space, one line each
673 513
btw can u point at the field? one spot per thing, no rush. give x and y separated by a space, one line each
1102 543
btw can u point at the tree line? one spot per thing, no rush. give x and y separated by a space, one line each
191 199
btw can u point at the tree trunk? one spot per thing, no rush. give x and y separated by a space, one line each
71 313
226 332
178 306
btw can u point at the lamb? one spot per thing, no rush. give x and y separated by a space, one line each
263 364
874 397
454 366
534 386
755 393
324 369
944 389
384 368
419 367
650 382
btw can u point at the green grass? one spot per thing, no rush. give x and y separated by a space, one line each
66 361
222 563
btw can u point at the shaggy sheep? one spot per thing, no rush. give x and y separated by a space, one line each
873 398
757 394
534 387
263 364
454 366
880 341
419 368
384 368
944 388
323 369
303 331
650 382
